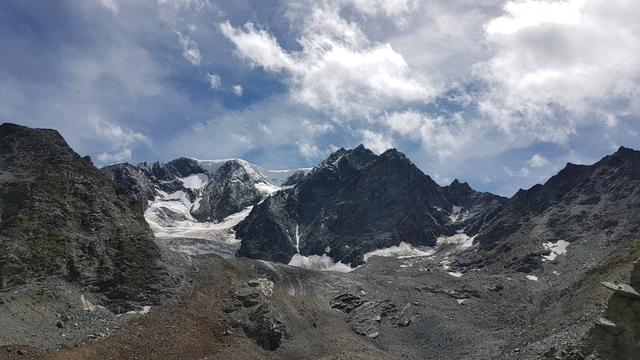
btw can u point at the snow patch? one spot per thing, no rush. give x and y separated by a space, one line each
145 310
317 262
460 239
455 213
401 251
266 188
195 181
275 177
455 274
532 277
557 248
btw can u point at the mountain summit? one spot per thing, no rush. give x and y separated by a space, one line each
355 202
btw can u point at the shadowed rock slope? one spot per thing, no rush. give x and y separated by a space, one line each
60 216
355 202
592 210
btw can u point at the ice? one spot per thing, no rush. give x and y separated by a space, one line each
317 262
195 181
266 188
272 177
462 240
197 230
403 250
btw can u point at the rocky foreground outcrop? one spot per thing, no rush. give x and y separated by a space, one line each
60 216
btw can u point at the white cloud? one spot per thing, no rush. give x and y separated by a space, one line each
190 49
121 156
573 55
376 142
214 81
309 151
257 46
120 139
196 4
116 135
537 161
111 5
238 90
445 137
315 129
386 7
338 70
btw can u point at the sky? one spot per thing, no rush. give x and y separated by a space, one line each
499 93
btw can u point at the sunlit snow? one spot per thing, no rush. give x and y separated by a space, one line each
195 181
317 262
403 250
463 240
557 248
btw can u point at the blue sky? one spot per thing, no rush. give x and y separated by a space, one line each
498 93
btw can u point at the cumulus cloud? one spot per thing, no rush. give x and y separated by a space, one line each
214 81
537 161
121 156
445 137
117 137
238 90
376 142
190 49
554 56
115 134
309 151
337 70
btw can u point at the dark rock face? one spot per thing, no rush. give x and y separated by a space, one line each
366 315
355 202
232 189
59 215
589 206
294 178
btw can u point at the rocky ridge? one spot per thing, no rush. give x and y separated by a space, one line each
355 202
60 216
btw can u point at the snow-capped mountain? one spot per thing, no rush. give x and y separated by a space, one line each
199 199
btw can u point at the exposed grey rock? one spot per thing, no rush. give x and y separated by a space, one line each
355 202
266 328
365 316
62 216
588 206
622 289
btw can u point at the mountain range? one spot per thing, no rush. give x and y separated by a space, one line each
419 269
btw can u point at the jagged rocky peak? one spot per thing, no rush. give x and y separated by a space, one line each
187 189
60 216
584 208
352 203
